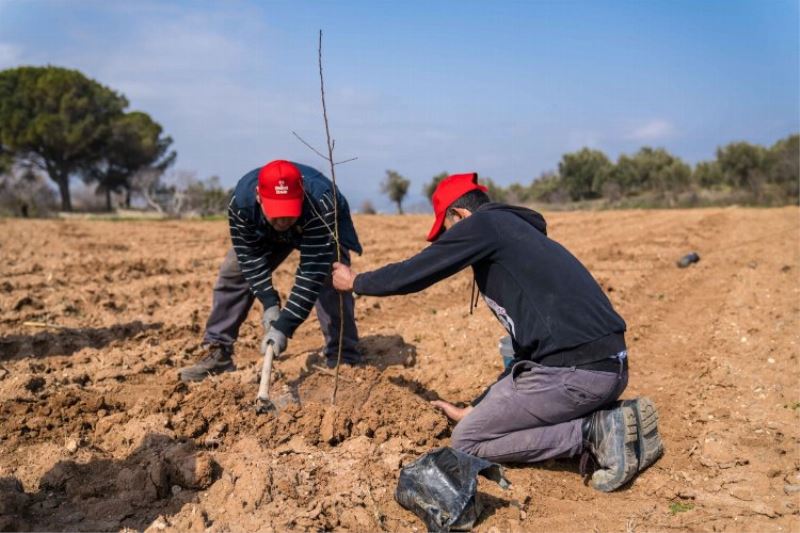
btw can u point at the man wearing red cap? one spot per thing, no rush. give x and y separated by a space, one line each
275 209
557 397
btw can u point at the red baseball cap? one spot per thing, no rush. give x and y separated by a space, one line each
448 191
280 187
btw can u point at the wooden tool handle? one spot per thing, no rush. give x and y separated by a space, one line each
266 373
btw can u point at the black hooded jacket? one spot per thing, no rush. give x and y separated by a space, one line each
544 297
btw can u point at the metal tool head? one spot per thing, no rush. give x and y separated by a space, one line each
265 405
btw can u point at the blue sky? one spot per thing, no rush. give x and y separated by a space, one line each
501 88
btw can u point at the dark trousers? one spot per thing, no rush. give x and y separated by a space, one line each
232 302
535 413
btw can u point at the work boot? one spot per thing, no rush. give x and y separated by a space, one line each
216 361
648 445
352 360
610 437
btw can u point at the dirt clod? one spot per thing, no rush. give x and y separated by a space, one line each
35 384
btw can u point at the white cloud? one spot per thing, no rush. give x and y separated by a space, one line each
653 130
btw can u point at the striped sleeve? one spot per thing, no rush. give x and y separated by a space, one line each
253 257
317 250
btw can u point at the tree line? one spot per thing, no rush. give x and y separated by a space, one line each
652 177
61 124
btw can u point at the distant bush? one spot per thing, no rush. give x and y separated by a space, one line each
395 187
430 187
583 173
367 208
495 191
26 193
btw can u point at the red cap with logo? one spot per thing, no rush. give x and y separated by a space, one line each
280 187
448 191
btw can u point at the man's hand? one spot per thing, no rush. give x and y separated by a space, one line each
343 277
277 339
270 315
452 412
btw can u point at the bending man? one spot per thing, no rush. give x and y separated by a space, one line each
278 208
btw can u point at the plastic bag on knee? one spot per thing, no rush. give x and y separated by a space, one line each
441 488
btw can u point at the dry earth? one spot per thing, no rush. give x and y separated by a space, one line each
96 433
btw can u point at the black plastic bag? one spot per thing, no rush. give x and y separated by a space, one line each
440 487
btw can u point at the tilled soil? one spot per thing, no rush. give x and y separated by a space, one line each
97 433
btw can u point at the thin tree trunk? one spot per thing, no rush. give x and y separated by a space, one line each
63 188
151 202
399 208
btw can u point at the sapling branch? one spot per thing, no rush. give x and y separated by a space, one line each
331 143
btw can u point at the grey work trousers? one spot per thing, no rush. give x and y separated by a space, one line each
535 413
232 301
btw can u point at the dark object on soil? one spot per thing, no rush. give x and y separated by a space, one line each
35 384
440 488
688 259
264 406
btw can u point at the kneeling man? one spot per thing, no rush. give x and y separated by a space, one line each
557 398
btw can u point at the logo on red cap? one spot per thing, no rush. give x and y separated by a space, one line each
281 187
448 191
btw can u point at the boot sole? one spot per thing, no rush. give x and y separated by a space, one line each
630 461
649 445
355 364
201 376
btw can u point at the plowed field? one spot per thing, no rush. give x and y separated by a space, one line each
98 434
